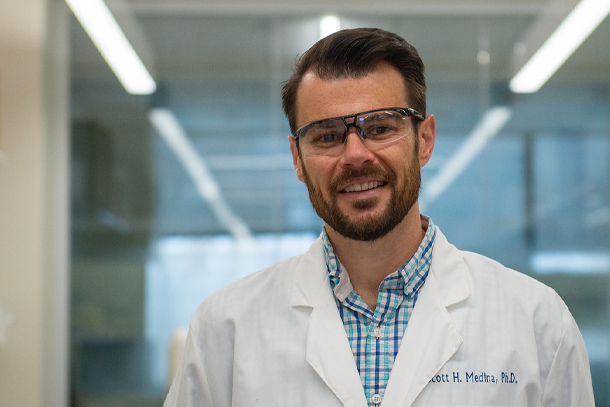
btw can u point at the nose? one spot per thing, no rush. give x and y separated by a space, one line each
355 151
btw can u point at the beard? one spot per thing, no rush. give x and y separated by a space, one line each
370 227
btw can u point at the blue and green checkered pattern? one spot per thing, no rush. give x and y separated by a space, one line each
375 336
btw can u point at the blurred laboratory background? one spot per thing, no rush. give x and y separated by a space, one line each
144 197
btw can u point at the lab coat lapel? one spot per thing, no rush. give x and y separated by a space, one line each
330 355
328 351
432 336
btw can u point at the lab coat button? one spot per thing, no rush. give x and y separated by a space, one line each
376 399
377 332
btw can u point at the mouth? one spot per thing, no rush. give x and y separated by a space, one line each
365 186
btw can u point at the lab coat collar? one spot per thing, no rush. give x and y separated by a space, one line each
310 276
328 351
430 340
452 281
450 271
432 336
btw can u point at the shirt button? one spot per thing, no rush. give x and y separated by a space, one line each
376 399
377 333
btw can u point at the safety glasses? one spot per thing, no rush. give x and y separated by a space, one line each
376 127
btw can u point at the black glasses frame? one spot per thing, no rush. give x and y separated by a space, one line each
405 111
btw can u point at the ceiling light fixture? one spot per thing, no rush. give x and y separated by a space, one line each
329 24
560 45
172 133
570 262
102 28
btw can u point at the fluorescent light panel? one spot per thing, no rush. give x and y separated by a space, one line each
328 25
171 131
111 42
570 262
562 43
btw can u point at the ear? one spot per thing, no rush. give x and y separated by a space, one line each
296 159
427 135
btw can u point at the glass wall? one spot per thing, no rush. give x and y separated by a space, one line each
148 246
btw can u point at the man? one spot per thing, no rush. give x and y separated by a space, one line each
381 310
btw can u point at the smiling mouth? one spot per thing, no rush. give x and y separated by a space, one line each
364 186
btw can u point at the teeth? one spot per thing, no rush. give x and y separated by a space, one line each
363 187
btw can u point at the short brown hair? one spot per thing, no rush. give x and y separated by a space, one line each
353 54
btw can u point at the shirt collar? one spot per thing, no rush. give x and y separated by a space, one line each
409 277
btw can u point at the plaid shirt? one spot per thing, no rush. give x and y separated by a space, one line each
375 336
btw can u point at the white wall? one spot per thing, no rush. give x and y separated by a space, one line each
33 204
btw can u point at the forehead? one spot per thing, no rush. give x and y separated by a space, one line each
319 98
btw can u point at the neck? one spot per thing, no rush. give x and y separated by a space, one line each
368 263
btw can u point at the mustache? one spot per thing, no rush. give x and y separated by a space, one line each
352 173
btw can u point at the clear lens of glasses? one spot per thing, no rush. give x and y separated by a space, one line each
325 137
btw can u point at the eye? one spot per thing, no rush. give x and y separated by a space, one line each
378 130
326 132
326 138
382 125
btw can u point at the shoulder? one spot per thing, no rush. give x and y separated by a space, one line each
492 271
546 329
517 301
509 321
490 276
243 315
260 290
487 278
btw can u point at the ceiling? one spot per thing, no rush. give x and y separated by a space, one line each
219 66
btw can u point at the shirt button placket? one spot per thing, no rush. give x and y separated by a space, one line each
376 399
377 332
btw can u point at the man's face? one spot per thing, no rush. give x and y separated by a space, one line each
364 193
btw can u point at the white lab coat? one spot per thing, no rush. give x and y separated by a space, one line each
479 335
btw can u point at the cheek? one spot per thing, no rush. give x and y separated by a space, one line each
400 160
317 171
403 168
